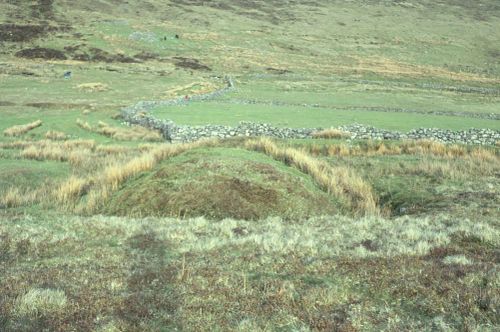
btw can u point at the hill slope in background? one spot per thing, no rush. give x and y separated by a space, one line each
231 36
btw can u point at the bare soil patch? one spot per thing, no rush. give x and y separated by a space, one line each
43 9
6 103
98 55
190 63
41 53
23 33
278 71
49 105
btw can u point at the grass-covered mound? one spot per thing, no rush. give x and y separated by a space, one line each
221 183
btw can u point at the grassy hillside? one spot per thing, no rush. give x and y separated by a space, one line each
106 227
348 57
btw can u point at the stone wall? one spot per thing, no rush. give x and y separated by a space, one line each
139 114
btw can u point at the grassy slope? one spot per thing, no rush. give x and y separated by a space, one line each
334 54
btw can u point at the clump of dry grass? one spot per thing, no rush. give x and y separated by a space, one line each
75 151
93 87
55 135
114 175
22 129
12 198
331 133
341 182
71 189
134 133
84 125
112 149
110 179
15 197
81 157
44 153
410 147
79 143
40 302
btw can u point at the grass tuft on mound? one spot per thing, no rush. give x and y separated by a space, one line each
221 183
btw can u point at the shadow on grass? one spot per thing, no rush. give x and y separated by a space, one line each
151 299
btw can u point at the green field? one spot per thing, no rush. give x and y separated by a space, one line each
308 117
105 227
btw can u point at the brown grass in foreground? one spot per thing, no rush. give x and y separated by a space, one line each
21 129
341 182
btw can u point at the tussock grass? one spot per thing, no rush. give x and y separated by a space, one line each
114 175
331 133
55 135
339 181
457 259
22 129
84 125
71 189
79 143
113 149
56 153
12 197
93 87
81 158
111 177
74 151
134 133
40 302
410 147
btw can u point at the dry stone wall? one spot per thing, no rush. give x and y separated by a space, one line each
140 114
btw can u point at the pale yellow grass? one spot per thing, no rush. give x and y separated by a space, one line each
40 302
71 189
44 153
331 133
189 89
134 133
55 135
84 125
93 87
341 182
113 149
81 157
70 144
410 147
391 67
111 177
74 151
15 197
22 129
